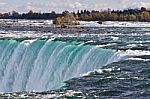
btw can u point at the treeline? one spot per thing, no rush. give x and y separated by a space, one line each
29 15
142 14
115 15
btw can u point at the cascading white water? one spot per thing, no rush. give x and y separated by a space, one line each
40 65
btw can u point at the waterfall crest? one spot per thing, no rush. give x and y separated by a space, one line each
41 65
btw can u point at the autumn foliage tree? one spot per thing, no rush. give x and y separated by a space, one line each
116 15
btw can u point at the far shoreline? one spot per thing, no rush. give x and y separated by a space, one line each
131 14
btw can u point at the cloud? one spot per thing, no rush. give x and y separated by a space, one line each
141 4
124 4
62 5
100 6
2 4
76 5
70 5
6 7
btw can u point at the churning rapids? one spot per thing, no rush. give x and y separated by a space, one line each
50 62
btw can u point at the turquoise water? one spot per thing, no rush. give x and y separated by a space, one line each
40 65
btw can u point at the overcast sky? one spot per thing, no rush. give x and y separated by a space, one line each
70 5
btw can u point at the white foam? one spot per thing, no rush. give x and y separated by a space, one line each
114 24
28 42
115 38
23 22
139 59
99 71
136 52
69 93
99 46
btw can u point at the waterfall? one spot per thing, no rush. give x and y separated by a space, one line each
41 65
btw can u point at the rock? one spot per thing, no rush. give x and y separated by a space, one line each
100 22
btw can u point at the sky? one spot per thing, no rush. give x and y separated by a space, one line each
68 5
